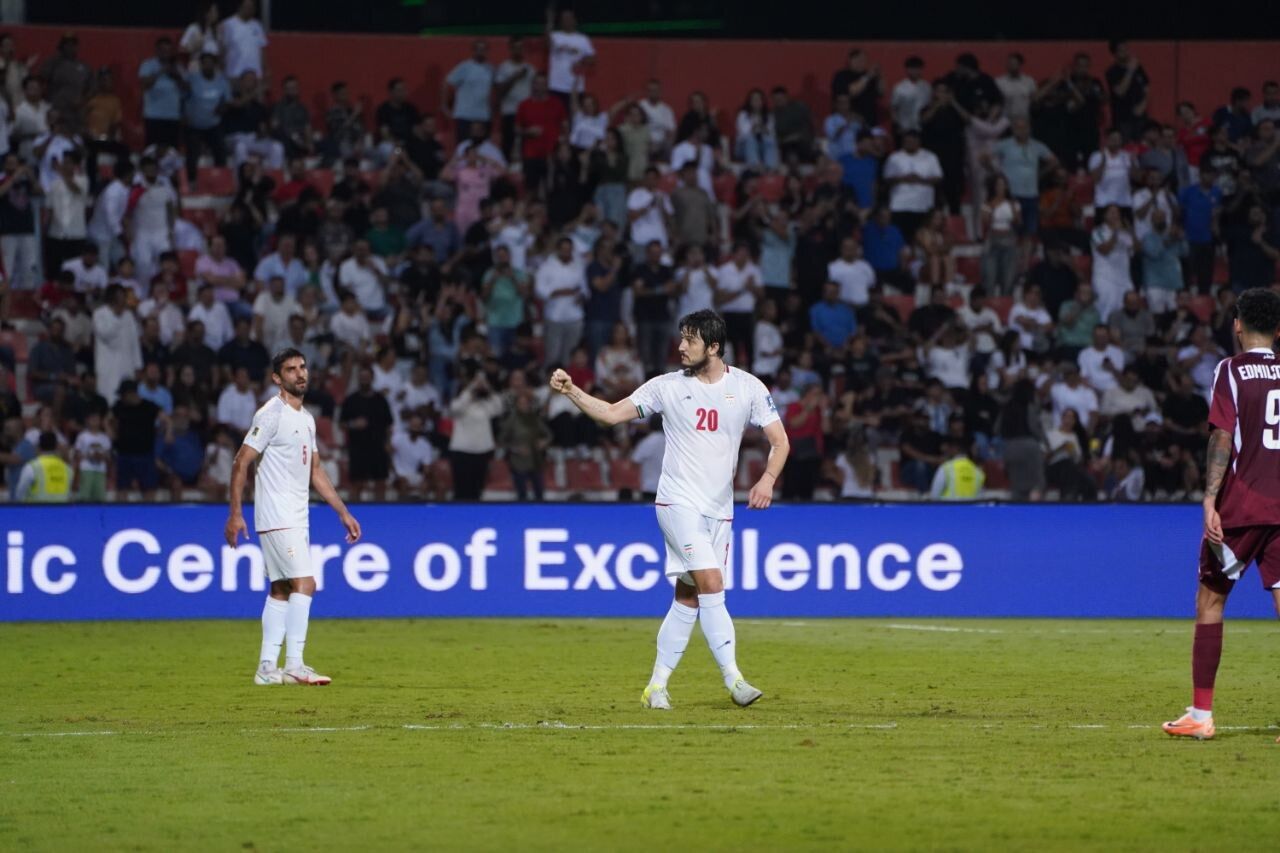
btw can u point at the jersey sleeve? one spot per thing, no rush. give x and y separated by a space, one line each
648 397
763 410
263 428
1222 407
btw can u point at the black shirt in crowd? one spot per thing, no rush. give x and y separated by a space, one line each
135 427
247 354
397 119
654 307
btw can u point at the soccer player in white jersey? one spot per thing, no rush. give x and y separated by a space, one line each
282 439
705 408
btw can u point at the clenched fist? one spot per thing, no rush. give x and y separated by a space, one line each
560 382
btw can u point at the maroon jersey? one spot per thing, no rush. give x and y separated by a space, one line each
1246 405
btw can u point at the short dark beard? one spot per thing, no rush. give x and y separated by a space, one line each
699 367
292 390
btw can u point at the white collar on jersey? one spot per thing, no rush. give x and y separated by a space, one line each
1263 351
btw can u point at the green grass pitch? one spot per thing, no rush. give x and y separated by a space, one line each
529 735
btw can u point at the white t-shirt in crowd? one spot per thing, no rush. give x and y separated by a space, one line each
587 130
651 226
703 423
1017 93
912 198
409 455
217 323
364 282
1082 398
151 211
1092 368
855 278
242 44
983 342
88 442
849 485
236 407
1142 224
87 279
908 100
1113 187
698 294
351 329
766 349
688 152
1040 315
107 220
275 318
520 89
554 275
734 280
567 49
648 455
286 439
1112 271
661 120
949 365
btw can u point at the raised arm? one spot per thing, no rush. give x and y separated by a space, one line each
605 414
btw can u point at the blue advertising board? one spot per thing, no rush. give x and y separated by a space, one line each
170 562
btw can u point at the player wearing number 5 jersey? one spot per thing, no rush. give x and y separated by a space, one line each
282 439
1242 492
705 408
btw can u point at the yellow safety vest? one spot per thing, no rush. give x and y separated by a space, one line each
962 479
52 482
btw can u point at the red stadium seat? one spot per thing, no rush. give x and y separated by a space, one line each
726 187
771 187
970 268
499 479
996 478
215 180
204 218
625 474
187 262
1001 305
903 305
957 230
1202 306
322 180
584 475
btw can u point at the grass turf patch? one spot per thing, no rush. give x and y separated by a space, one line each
488 734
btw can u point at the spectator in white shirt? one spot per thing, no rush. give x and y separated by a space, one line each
237 402
365 275
243 39
271 312
648 209
1102 363
1113 171
160 305
30 117
696 150
350 327
947 356
568 53
106 226
854 275
411 458
1113 246
561 284
1131 480
218 328
912 173
766 349
660 118
756 141
154 210
1031 320
983 324
1129 397
1153 196
91 276
910 96
737 287
1073 394
513 83
1016 87
66 197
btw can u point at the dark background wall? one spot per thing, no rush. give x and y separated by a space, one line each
838 19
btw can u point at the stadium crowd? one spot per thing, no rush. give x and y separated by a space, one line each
954 283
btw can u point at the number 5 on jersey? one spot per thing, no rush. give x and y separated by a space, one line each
708 420
1270 438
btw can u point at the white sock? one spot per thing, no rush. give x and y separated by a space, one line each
673 637
717 627
272 632
295 637
1200 716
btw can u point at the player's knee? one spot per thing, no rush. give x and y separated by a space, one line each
686 595
709 581
305 586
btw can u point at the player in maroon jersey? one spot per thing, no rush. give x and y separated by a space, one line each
1242 492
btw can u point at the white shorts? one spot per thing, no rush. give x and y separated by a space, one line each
286 554
694 541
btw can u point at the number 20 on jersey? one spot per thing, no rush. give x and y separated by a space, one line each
708 420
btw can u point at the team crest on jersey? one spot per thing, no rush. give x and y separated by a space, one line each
688 550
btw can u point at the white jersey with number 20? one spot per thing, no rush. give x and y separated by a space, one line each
286 439
703 424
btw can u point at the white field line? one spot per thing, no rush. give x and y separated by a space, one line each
558 725
946 629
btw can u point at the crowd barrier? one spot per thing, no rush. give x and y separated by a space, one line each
598 560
